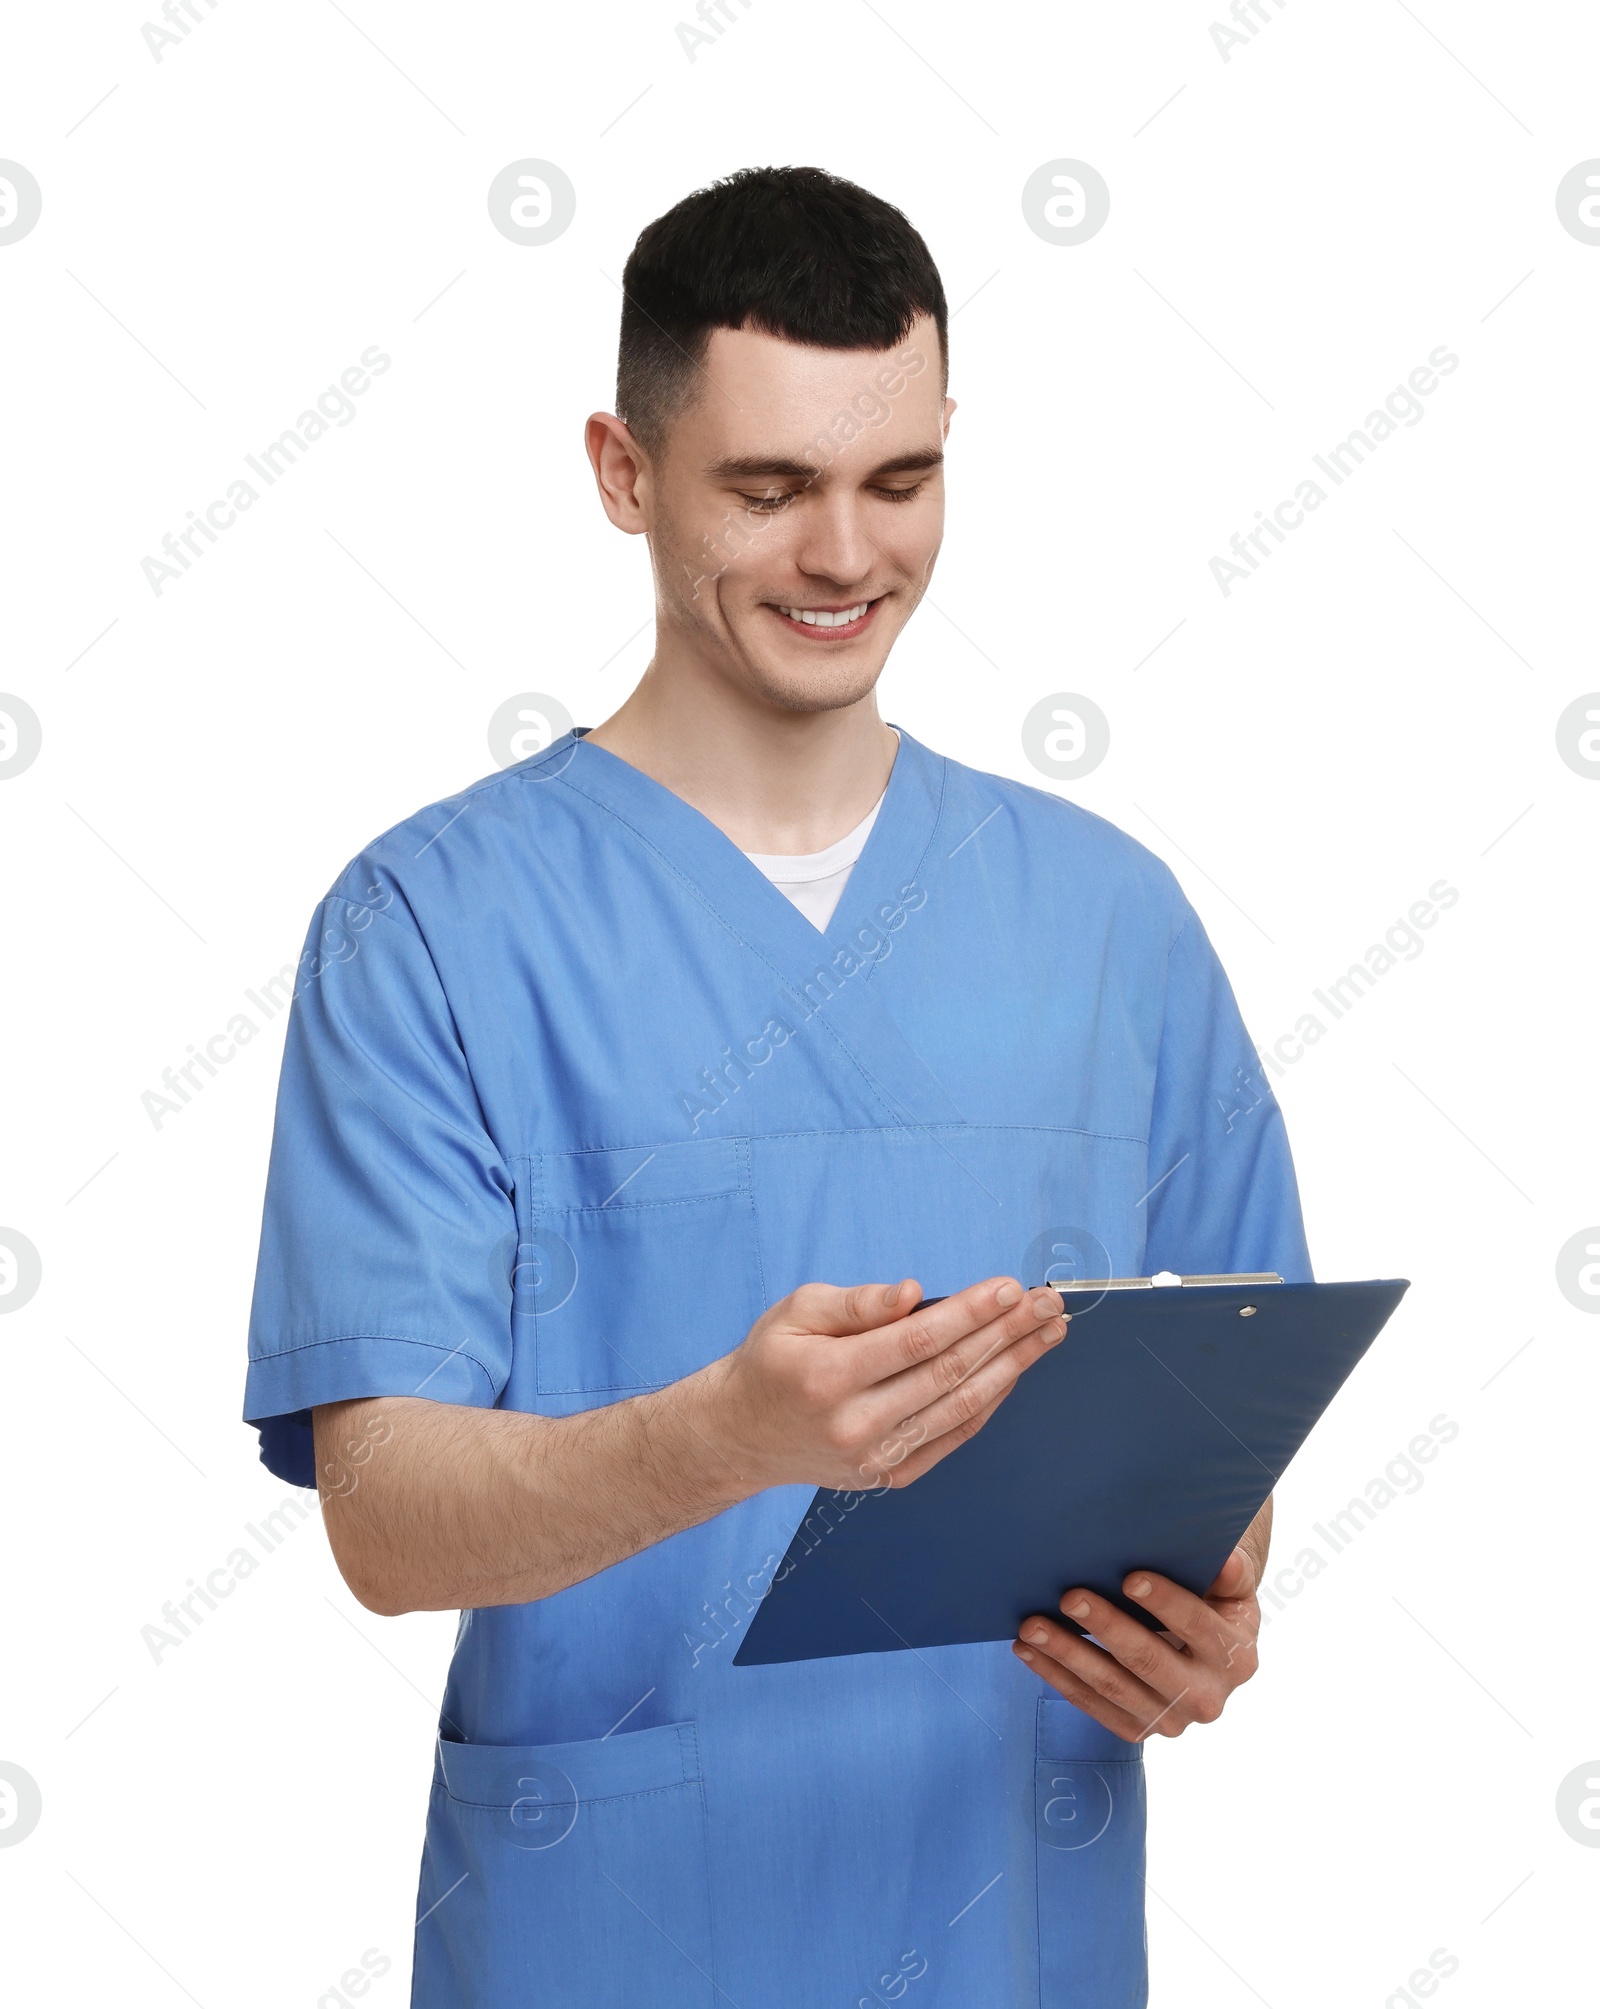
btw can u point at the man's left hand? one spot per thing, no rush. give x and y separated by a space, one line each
1140 1683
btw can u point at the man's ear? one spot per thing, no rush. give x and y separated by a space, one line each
949 409
621 472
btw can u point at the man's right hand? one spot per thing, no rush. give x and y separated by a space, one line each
858 1389
432 1506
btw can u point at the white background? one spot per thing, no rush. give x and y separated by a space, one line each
1292 231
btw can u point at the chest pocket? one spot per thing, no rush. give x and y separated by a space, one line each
636 1267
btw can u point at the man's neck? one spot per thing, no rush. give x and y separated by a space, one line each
782 783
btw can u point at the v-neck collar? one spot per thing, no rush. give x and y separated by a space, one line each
764 922
742 895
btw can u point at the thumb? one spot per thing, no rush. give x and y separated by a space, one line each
1236 1578
829 1311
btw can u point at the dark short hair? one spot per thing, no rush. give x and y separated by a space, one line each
791 251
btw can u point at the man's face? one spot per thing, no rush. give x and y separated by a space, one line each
802 480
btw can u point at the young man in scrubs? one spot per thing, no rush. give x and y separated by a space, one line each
633 1099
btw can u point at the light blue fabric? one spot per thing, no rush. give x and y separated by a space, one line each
560 1024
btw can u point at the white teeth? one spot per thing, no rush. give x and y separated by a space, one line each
813 619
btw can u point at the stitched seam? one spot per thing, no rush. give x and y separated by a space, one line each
963 1128
872 1130
1040 1758
588 1799
687 1777
643 1206
755 1220
535 1215
705 1853
922 855
604 1387
389 1338
696 1144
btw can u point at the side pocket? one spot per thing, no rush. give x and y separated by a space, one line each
566 1873
643 1264
1089 1828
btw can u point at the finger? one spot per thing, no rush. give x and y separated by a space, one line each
1109 1679
917 1338
1236 1578
894 1472
994 1372
1077 1691
942 1363
1162 1666
984 1368
833 1312
1206 1632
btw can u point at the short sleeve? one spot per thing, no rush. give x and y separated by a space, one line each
1223 1195
389 1213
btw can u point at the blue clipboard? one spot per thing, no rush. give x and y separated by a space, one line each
1148 1439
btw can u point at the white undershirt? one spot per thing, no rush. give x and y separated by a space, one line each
814 880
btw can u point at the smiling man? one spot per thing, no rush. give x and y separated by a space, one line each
633 1099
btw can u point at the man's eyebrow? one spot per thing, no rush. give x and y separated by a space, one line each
755 466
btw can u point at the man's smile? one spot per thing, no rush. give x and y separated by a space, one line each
829 624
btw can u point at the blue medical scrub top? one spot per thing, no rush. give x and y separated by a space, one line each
572 1093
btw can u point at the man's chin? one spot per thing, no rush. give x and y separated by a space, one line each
822 689
823 679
